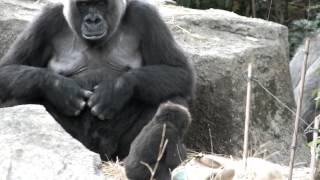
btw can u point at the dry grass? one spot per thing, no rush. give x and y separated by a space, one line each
114 170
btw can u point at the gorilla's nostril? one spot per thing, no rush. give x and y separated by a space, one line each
92 20
97 20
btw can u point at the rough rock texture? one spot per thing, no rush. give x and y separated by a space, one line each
221 44
311 85
312 79
34 146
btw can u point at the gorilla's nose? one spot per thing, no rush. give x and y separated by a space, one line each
92 20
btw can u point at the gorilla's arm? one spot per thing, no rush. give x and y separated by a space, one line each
166 71
22 68
23 73
32 47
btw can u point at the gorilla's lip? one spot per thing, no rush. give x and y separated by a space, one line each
94 36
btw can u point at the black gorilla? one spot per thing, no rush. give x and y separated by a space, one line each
101 68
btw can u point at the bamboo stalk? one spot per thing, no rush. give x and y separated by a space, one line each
314 155
162 149
253 8
247 118
297 119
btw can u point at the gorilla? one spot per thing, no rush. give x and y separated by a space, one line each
102 68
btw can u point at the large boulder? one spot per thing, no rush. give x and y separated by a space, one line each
34 146
312 78
220 44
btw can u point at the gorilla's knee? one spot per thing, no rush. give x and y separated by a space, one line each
145 147
174 113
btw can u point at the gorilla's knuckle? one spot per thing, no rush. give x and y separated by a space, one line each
56 83
82 104
101 117
95 110
77 113
120 83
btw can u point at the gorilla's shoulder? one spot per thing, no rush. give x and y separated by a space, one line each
142 15
50 17
137 8
53 10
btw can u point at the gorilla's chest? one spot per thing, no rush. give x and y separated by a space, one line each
73 57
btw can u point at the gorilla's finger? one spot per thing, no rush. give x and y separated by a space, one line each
101 117
95 111
92 100
109 113
96 87
76 106
77 113
82 105
86 93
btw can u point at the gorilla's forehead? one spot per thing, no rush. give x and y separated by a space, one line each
124 1
66 2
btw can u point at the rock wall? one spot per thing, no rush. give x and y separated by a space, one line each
34 146
312 79
220 44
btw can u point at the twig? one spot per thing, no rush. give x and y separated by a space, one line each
211 145
314 156
247 118
147 166
296 124
269 10
162 149
253 8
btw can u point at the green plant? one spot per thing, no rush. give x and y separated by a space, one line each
206 4
301 29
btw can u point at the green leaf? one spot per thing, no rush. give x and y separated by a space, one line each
316 141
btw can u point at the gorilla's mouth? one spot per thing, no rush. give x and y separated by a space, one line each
94 36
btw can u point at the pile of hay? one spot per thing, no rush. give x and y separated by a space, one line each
216 167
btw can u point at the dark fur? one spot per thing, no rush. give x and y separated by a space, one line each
146 146
128 99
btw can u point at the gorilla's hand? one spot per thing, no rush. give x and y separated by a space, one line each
109 97
66 95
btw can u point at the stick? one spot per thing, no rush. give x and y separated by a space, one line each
296 124
162 149
269 10
247 120
314 155
253 8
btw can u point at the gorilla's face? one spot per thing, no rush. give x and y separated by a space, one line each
95 20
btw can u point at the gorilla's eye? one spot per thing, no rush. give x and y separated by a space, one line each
82 3
101 3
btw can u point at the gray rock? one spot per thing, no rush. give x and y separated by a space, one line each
221 44
312 78
34 146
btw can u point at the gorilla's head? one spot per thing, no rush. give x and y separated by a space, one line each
94 20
